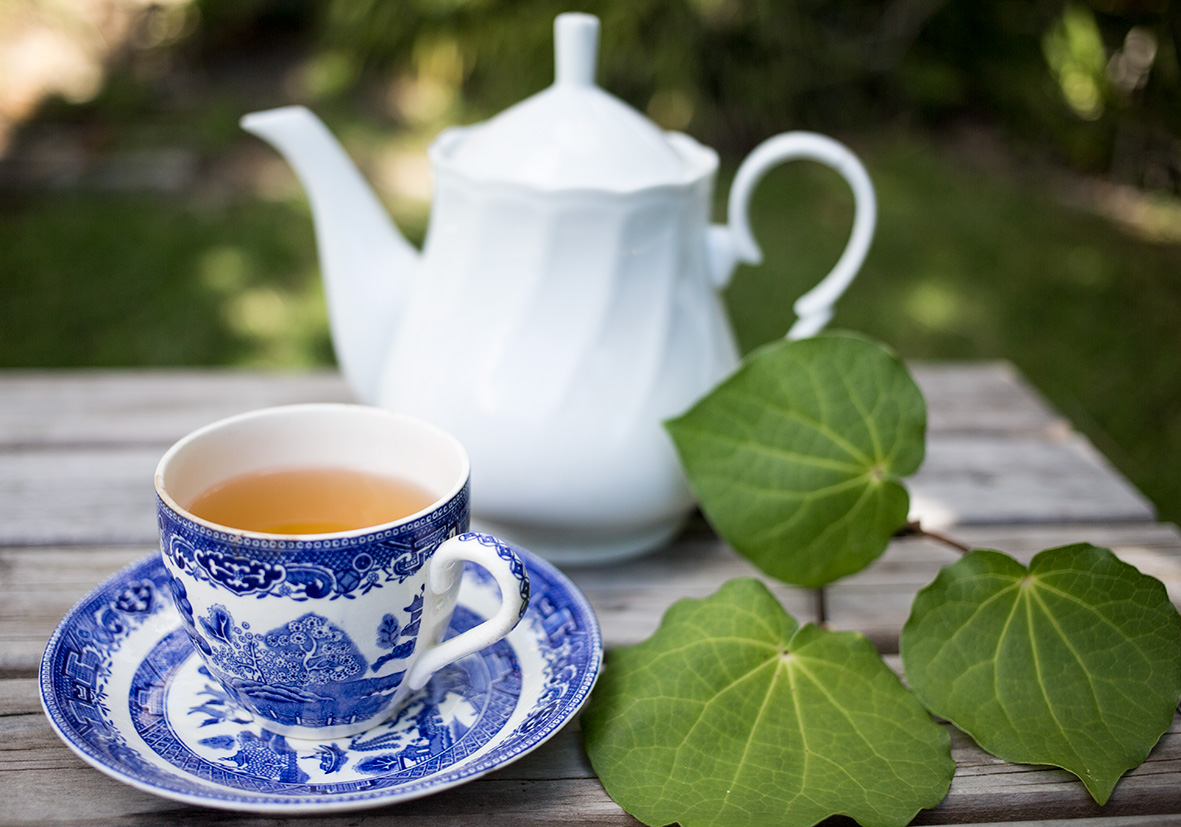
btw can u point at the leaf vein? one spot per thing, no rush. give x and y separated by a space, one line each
819 427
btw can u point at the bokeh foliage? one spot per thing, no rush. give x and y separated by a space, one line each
1095 83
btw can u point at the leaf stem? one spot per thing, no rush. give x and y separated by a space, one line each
915 529
820 604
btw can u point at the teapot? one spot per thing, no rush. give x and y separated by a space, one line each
565 302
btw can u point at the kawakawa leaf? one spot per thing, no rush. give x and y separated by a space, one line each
795 458
1074 662
733 714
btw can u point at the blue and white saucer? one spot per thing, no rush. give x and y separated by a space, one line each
125 690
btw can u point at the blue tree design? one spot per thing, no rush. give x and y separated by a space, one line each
310 650
389 633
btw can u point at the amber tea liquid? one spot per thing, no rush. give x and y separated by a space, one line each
309 500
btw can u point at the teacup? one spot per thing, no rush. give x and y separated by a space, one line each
326 635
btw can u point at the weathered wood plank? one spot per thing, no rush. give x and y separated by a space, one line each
78 495
973 479
123 407
983 397
38 587
558 773
77 450
987 789
40 584
103 494
631 598
95 407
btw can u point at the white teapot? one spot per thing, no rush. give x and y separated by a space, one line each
565 302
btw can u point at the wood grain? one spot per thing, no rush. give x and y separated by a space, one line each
89 407
558 773
143 407
103 493
77 451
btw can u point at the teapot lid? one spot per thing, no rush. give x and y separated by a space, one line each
572 134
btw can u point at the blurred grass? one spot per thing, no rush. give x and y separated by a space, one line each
109 280
967 262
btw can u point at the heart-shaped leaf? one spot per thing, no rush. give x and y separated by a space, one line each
733 714
795 458
1074 662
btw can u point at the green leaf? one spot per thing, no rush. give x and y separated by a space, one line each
1074 662
733 714
795 458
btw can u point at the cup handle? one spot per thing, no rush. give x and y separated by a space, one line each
446 567
734 242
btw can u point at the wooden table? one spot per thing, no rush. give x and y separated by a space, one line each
77 451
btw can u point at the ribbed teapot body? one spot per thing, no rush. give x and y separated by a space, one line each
553 332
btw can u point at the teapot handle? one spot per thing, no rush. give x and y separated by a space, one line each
734 242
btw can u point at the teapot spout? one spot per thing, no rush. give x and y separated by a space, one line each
365 261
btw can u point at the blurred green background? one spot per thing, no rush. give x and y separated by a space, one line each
1026 154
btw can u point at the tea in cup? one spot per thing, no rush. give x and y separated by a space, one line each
315 553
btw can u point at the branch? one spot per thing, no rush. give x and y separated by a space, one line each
915 529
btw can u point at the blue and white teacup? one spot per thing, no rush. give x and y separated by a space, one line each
326 635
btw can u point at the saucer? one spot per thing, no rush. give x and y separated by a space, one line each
123 687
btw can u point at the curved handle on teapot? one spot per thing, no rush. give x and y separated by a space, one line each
734 242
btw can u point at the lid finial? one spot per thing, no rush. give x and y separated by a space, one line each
576 48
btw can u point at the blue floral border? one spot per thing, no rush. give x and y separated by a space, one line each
309 569
77 665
